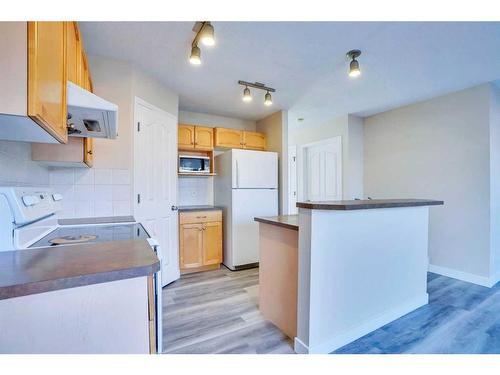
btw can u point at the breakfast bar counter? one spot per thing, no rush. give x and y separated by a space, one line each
361 265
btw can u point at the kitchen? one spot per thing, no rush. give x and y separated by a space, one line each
128 183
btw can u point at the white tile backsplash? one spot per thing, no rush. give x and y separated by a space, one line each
103 176
17 168
120 177
196 191
92 192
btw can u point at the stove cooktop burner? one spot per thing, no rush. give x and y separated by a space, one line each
72 239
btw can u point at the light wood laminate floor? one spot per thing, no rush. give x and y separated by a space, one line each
217 312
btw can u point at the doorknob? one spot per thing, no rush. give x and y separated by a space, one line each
174 208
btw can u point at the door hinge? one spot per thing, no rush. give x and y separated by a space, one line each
294 158
138 198
138 126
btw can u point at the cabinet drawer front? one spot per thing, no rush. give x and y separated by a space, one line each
199 216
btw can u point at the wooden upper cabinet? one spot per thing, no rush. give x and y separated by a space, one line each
186 136
203 138
88 152
74 53
212 243
254 140
47 76
228 138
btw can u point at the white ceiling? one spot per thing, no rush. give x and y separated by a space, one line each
305 61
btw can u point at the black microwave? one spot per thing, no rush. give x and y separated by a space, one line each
194 164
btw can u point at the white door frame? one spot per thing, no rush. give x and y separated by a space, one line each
292 179
302 175
144 103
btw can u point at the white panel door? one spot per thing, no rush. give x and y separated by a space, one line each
255 169
155 182
247 204
324 170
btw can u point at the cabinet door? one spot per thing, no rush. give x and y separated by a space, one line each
228 138
85 80
212 243
88 151
191 246
203 138
254 140
186 136
73 52
47 77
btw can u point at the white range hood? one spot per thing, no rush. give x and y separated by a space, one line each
89 115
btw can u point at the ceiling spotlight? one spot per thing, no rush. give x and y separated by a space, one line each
207 34
195 57
247 97
267 99
354 70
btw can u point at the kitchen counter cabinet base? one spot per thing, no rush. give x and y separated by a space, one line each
278 271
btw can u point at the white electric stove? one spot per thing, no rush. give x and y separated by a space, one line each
29 219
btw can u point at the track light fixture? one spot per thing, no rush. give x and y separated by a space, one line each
195 57
247 97
267 99
204 34
354 70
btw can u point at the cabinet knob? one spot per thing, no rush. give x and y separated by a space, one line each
89 152
174 208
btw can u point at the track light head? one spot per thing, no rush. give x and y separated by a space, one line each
268 99
354 70
247 97
207 34
195 57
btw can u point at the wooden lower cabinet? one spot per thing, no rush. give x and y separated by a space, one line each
200 242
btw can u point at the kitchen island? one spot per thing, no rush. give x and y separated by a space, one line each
91 298
361 265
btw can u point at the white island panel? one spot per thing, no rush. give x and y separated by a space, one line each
358 270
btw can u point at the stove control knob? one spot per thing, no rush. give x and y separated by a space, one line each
30 200
57 197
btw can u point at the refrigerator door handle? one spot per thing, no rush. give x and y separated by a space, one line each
237 175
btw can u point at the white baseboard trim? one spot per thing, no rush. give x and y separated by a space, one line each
362 329
464 276
299 347
495 279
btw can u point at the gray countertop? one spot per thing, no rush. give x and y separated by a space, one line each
32 271
284 221
368 204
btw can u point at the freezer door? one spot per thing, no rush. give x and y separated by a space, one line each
247 204
255 169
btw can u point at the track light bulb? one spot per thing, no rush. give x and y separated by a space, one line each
207 34
247 97
354 70
195 57
267 99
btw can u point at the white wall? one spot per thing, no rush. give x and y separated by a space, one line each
107 188
351 130
495 180
439 149
200 190
17 168
275 127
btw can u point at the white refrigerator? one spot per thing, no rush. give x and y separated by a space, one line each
246 186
